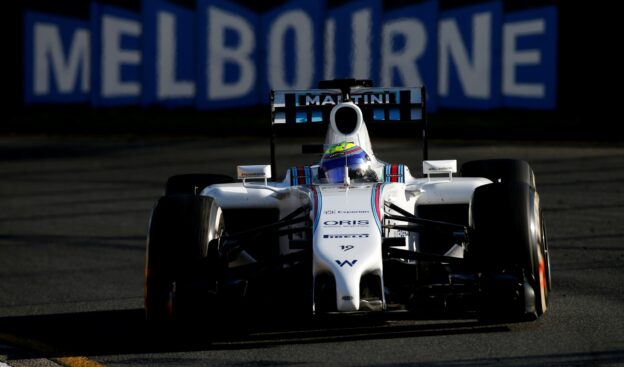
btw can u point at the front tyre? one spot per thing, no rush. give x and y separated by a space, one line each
166 244
508 249
500 170
180 272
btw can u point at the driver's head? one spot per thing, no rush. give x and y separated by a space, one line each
337 156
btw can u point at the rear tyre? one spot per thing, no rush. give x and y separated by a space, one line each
508 249
193 183
500 170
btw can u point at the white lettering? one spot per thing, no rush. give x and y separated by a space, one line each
376 98
474 76
361 50
512 58
328 100
61 63
49 56
404 60
313 100
300 23
166 84
114 56
219 55
330 47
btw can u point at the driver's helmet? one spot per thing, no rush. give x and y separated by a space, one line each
337 156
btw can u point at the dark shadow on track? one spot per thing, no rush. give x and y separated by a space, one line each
126 332
606 358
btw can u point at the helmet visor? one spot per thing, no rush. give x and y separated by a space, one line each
334 175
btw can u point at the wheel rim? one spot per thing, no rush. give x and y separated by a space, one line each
216 222
541 267
215 227
546 256
543 285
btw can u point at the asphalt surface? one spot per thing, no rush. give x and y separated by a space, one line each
73 219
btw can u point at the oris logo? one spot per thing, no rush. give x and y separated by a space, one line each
346 223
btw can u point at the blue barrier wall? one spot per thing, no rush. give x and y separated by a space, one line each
214 54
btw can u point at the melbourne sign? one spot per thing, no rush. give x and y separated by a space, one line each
221 55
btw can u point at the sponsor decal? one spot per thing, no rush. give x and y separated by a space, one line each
219 54
346 262
340 211
401 233
346 248
375 204
346 223
252 175
441 168
359 99
346 235
318 204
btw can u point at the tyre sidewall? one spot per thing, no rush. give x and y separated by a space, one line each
507 237
500 170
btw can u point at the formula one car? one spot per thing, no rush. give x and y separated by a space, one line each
351 233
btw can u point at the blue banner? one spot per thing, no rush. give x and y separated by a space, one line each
169 44
223 55
469 56
116 56
57 59
352 41
409 49
530 58
291 40
228 55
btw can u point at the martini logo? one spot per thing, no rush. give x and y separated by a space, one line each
359 99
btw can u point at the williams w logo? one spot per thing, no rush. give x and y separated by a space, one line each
346 262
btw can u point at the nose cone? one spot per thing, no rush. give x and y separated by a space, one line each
347 240
348 303
348 290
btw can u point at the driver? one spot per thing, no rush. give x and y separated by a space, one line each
337 156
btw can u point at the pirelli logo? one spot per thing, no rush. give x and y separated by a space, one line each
358 235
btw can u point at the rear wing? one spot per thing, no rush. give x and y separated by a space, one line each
377 104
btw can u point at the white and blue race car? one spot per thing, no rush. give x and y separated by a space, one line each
351 233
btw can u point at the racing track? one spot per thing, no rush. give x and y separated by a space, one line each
73 216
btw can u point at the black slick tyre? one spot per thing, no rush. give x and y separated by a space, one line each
500 170
180 230
508 250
